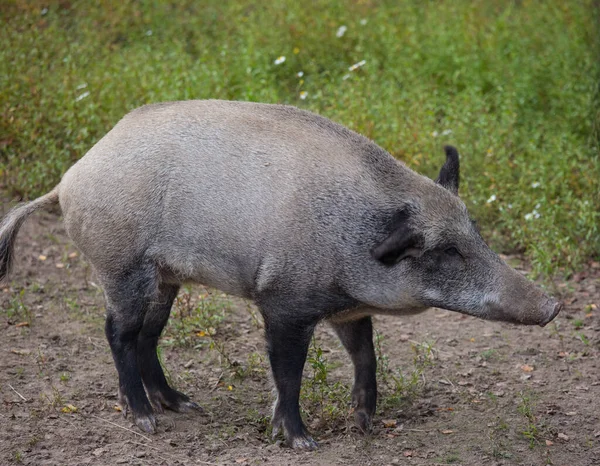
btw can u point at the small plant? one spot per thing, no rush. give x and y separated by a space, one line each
330 399
585 340
54 400
255 365
400 387
33 441
231 364
496 435
526 408
488 355
578 324
383 361
17 309
64 377
258 420
452 458
72 304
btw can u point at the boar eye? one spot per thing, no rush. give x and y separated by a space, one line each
452 251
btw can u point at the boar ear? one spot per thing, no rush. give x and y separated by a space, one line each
401 243
449 174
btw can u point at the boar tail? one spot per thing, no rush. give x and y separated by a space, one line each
9 227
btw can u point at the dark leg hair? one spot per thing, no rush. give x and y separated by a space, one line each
128 296
158 390
287 344
357 338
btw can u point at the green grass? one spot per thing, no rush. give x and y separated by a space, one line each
513 84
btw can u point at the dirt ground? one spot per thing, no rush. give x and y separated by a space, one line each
484 393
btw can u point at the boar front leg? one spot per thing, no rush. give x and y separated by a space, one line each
288 337
357 338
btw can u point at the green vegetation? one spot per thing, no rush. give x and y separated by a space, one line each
513 84
401 386
195 319
320 396
534 429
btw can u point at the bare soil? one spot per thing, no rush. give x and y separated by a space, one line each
490 393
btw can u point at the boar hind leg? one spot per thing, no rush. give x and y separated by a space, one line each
288 338
128 297
159 392
357 338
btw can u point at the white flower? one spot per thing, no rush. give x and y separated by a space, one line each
303 95
509 206
435 134
533 214
491 199
279 60
346 76
363 21
81 86
538 205
446 132
341 31
300 74
535 184
82 96
149 32
357 65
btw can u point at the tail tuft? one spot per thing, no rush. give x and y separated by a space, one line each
12 223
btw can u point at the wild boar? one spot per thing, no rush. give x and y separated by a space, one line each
310 220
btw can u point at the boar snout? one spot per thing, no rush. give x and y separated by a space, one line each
519 312
551 310
521 301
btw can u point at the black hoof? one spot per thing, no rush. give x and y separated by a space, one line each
172 400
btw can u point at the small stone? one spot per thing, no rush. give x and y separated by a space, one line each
563 436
